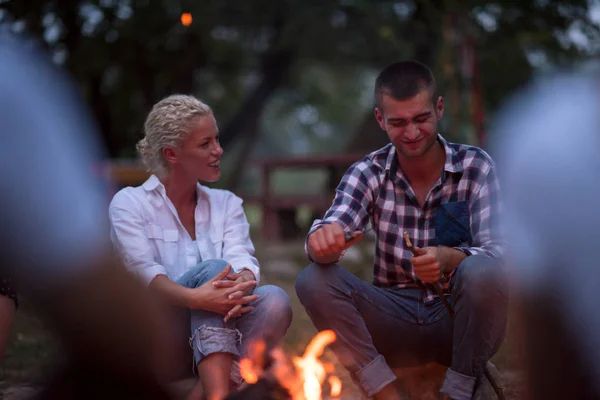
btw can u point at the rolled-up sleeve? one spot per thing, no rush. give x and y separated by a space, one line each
238 249
351 205
129 237
486 209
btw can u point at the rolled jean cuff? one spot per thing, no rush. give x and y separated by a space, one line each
207 340
374 376
458 386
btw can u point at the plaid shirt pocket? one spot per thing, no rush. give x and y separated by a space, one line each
452 224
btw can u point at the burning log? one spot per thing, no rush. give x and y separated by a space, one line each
263 389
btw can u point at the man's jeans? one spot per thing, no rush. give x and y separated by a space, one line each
269 320
382 328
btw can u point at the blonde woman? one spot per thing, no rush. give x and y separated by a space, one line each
191 244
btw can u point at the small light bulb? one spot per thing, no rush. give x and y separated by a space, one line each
186 19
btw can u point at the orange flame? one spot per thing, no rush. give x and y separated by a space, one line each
247 371
306 380
336 386
251 367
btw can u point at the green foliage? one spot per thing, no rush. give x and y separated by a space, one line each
301 71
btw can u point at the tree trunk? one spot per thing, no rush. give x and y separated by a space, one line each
245 125
274 67
423 27
368 137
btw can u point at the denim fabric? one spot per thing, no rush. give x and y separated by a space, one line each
453 224
383 328
269 320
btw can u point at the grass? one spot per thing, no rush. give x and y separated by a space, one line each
33 351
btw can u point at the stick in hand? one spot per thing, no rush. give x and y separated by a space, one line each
438 290
409 244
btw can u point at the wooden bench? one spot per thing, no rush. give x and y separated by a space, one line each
278 208
124 173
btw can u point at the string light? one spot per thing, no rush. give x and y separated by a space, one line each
186 19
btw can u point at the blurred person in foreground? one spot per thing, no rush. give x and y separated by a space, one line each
55 236
547 140
191 244
446 197
8 308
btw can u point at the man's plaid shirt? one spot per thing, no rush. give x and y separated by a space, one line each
374 190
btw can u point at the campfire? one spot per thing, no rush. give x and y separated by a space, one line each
303 378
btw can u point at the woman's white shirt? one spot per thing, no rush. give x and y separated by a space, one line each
151 240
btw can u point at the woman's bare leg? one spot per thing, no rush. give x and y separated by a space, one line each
214 372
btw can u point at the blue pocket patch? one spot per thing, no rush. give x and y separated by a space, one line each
453 224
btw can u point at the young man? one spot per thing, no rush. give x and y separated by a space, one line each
445 196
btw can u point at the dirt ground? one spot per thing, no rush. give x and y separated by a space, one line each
33 352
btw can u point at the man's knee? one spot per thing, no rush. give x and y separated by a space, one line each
480 278
314 280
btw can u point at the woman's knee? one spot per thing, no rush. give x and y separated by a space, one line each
211 268
202 273
276 303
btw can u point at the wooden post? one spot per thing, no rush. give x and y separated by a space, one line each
270 223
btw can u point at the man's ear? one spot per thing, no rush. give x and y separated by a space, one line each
439 107
379 118
169 155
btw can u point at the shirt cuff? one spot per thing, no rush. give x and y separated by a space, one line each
316 225
469 251
250 267
319 223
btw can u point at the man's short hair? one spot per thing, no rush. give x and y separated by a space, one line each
403 80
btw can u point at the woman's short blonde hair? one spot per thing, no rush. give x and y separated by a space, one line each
167 124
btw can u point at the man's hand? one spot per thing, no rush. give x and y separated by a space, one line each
327 243
233 280
216 297
426 264
431 262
